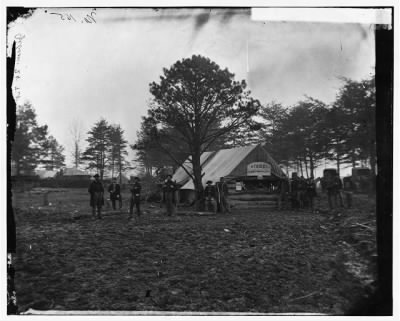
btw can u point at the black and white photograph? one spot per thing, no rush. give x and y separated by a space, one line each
226 160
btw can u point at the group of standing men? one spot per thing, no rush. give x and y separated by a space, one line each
334 186
217 197
298 192
96 191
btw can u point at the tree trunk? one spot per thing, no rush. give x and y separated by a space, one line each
353 159
301 167
76 156
197 182
306 167
338 163
311 166
120 168
372 160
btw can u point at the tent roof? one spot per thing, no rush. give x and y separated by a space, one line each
224 161
222 164
180 176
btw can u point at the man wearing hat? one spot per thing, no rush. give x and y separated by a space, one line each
115 193
223 192
135 197
210 196
169 188
96 191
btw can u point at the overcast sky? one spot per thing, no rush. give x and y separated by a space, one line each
79 72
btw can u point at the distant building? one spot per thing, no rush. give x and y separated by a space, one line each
73 172
43 173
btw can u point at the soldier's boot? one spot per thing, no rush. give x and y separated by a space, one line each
99 214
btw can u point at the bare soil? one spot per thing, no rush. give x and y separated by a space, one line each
249 261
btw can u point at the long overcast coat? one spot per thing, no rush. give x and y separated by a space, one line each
96 191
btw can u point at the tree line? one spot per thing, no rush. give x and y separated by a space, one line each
33 146
197 106
303 136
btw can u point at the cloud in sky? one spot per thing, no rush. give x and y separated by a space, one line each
72 70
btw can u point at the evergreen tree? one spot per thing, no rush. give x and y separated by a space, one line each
55 158
117 152
150 156
97 153
356 103
200 102
29 147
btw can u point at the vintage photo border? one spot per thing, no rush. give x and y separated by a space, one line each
385 116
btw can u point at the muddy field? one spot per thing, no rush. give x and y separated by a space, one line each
250 261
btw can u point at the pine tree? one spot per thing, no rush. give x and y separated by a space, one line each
201 102
117 152
55 158
97 152
30 141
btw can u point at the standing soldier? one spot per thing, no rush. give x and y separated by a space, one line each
223 192
294 189
311 193
210 196
329 186
338 189
96 191
115 193
348 190
135 197
283 190
169 189
301 195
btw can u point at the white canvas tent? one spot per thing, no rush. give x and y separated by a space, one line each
181 177
229 163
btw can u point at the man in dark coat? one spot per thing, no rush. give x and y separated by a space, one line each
302 189
283 190
294 191
210 197
169 188
96 191
329 185
223 195
338 189
311 193
115 193
135 197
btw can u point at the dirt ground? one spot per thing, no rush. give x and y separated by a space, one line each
249 261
